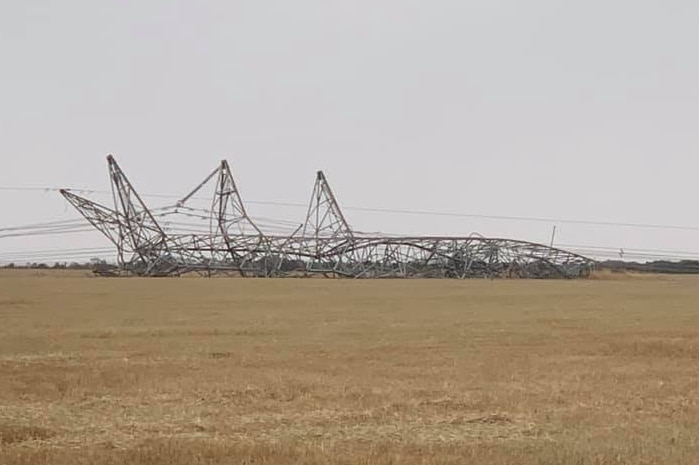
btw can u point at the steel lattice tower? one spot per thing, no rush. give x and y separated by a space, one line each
150 243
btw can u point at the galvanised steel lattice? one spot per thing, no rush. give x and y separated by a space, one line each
221 238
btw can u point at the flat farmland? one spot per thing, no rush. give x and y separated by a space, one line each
242 371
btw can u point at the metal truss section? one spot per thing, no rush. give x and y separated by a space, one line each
104 219
325 229
139 233
324 218
219 237
232 236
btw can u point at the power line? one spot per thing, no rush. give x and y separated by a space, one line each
57 223
531 219
61 227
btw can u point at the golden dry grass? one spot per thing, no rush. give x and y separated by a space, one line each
196 371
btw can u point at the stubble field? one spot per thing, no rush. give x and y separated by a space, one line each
196 371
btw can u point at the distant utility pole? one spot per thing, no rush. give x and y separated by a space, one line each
553 235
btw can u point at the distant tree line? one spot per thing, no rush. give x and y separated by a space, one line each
658 266
92 264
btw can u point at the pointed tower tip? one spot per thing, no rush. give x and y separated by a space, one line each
324 217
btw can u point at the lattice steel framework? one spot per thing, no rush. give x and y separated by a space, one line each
156 242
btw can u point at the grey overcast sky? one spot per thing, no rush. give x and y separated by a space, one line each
564 109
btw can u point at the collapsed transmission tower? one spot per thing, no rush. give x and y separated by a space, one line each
221 238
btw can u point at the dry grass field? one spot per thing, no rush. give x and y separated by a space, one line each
195 371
